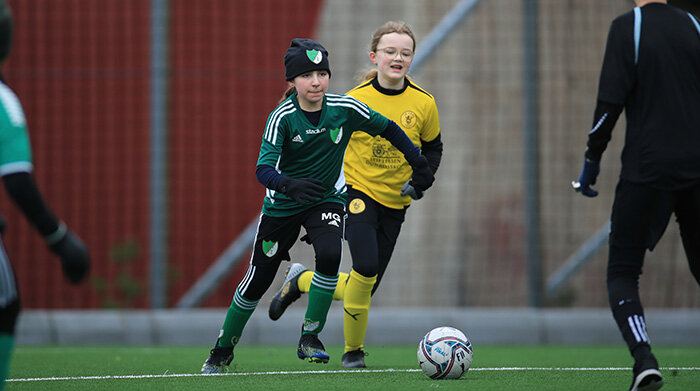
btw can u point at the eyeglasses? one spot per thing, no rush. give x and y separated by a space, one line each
392 52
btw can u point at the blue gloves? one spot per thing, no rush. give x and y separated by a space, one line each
588 176
408 190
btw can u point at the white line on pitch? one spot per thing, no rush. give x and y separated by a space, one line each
39 379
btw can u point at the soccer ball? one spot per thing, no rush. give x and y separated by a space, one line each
445 353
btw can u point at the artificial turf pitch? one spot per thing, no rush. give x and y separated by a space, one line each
495 367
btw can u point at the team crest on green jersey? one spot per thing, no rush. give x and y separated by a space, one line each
315 56
336 134
270 248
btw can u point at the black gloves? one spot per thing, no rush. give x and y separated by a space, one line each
408 190
423 176
75 259
302 190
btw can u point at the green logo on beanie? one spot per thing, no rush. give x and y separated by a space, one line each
315 56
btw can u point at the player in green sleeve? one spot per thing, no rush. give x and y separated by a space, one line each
301 167
15 170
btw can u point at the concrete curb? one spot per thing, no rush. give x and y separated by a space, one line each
386 326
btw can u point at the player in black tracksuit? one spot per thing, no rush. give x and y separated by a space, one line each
651 69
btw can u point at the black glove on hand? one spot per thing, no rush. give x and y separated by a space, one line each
423 176
75 259
302 190
408 190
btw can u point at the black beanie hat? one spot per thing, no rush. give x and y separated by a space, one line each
305 55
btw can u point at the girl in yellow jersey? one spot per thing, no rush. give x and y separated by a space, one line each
378 176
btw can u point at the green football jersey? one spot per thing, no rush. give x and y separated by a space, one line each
15 150
298 149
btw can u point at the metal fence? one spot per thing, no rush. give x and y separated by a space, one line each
86 75
466 242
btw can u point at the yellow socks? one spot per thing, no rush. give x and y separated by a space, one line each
305 278
339 293
304 281
358 294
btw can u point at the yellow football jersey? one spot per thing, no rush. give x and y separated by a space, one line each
372 164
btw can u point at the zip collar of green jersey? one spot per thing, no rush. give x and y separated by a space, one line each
386 91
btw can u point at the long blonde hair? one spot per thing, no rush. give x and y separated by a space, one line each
387 28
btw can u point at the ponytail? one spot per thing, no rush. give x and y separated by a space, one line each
290 91
367 75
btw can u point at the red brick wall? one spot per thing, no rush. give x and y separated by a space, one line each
81 70
227 75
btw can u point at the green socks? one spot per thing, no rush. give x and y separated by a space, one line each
7 342
320 298
236 318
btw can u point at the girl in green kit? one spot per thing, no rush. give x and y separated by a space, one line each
301 167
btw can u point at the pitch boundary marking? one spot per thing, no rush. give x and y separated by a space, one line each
166 375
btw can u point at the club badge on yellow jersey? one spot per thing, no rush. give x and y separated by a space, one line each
408 120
